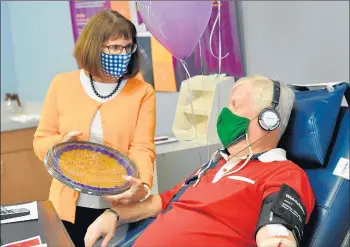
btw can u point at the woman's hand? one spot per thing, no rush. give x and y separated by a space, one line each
71 136
104 226
137 192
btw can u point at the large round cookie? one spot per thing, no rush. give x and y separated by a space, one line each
90 168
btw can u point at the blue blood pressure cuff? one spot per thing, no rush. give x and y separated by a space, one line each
285 208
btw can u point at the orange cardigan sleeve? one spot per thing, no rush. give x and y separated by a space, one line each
47 133
142 150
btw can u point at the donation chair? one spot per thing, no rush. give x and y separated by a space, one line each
317 139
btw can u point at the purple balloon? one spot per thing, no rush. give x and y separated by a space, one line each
177 25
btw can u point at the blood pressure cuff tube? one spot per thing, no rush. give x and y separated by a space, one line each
285 208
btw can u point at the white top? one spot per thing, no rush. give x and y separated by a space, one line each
96 132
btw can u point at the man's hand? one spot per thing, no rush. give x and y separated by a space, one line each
136 193
71 136
104 226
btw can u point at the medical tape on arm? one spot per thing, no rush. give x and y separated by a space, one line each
280 242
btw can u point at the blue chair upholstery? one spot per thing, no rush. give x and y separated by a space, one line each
318 116
329 222
311 126
330 219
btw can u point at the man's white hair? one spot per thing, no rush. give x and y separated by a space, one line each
263 93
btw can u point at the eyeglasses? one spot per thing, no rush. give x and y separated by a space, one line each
118 49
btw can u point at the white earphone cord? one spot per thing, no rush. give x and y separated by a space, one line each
249 146
199 173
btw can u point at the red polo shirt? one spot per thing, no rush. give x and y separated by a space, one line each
224 213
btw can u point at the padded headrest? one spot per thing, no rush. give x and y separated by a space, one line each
311 125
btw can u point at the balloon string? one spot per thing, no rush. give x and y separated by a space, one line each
149 9
206 124
190 98
200 56
220 54
220 58
218 19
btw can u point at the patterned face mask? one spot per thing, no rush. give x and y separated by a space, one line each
115 65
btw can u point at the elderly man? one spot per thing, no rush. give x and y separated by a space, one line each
247 195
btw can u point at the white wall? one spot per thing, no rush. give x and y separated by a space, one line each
293 41
8 75
43 44
297 41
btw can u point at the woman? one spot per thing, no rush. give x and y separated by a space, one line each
102 103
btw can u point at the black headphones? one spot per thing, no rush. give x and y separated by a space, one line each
269 118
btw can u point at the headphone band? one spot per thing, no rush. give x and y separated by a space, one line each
269 118
276 93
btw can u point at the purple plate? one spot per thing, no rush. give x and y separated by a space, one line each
57 165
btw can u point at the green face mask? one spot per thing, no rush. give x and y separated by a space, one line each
230 127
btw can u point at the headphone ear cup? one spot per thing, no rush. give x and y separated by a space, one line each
269 119
262 123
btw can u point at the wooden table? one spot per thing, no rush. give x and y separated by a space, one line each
48 226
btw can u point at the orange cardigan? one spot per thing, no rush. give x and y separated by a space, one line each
128 123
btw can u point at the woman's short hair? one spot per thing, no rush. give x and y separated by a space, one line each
102 26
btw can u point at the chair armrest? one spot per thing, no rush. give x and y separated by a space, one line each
126 234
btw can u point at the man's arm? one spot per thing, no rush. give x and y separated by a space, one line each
106 224
151 207
287 206
137 211
264 238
